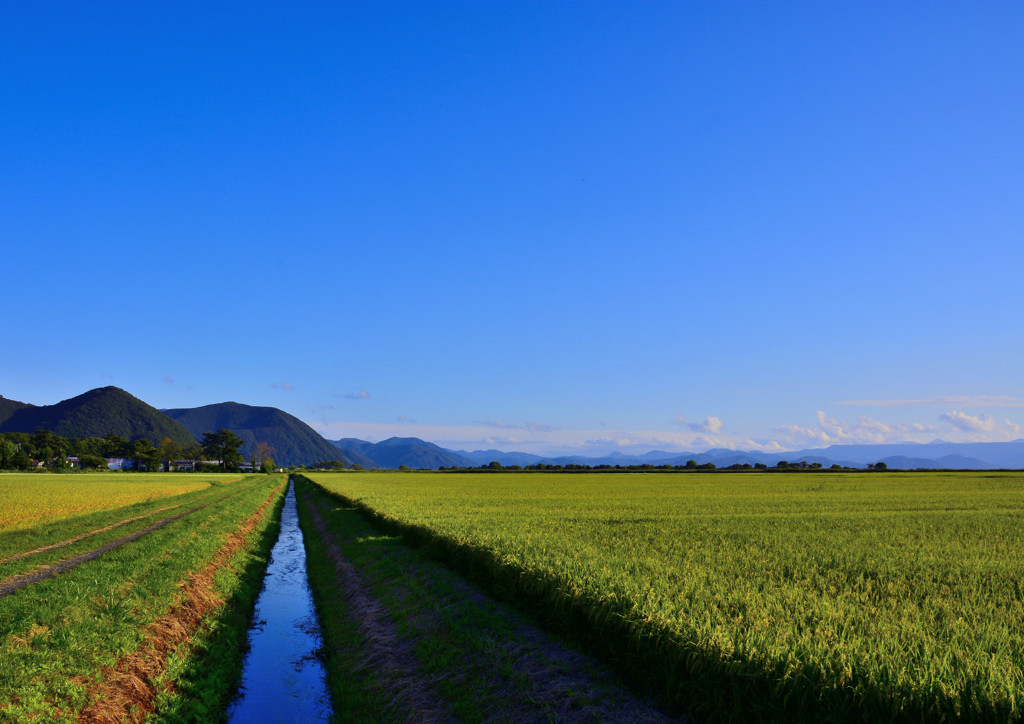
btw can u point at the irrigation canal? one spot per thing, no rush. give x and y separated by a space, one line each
282 678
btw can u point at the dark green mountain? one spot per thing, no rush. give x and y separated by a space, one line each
294 442
9 407
99 412
397 451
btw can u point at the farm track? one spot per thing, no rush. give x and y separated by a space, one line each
515 671
16 583
127 691
83 536
382 651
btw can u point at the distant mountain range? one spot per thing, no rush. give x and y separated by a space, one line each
906 456
111 410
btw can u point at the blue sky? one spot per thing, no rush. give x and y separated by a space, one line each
535 226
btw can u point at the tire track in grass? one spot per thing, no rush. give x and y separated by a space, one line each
126 692
16 583
407 693
83 536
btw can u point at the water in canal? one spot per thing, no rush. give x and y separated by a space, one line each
282 679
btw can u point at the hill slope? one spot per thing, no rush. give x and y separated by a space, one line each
294 442
99 412
9 407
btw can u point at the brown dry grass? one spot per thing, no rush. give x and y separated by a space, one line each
126 691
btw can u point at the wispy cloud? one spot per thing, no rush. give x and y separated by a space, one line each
168 380
528 426
282 386
361 395
711 424
952 400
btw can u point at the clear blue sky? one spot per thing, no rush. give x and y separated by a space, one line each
535 226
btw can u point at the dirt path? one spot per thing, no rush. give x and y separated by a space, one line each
83 536
126 692
514 670
15 583
382 650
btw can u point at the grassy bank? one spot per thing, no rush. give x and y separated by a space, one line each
62 640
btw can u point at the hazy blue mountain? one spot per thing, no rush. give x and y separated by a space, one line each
483 457
940 454
409 451
99 412
354 450
294 442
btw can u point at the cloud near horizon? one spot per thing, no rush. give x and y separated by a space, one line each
960 427
958 400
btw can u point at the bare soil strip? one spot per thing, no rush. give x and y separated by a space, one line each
89 534
408 694
126 692
15 583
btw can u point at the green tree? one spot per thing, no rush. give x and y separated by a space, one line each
169 452
145 455
7 451
223 446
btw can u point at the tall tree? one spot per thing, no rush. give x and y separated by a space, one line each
223 446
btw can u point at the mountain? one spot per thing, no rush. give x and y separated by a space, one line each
483 457
294 442
9 407
397 451
99 412
354 451
938 454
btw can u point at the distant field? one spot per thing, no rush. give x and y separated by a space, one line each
27 498
844 596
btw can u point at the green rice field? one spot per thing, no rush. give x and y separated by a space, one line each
812 595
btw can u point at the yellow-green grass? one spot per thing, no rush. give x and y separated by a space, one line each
816 595
27 498
59 637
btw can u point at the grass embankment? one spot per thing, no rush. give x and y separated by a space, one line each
64 642
406 639
812 595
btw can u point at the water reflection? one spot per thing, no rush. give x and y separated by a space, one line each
282 679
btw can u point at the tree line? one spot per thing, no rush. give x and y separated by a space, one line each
217 451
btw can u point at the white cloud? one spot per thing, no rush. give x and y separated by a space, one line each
969 423
361 395
831 431
711 424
